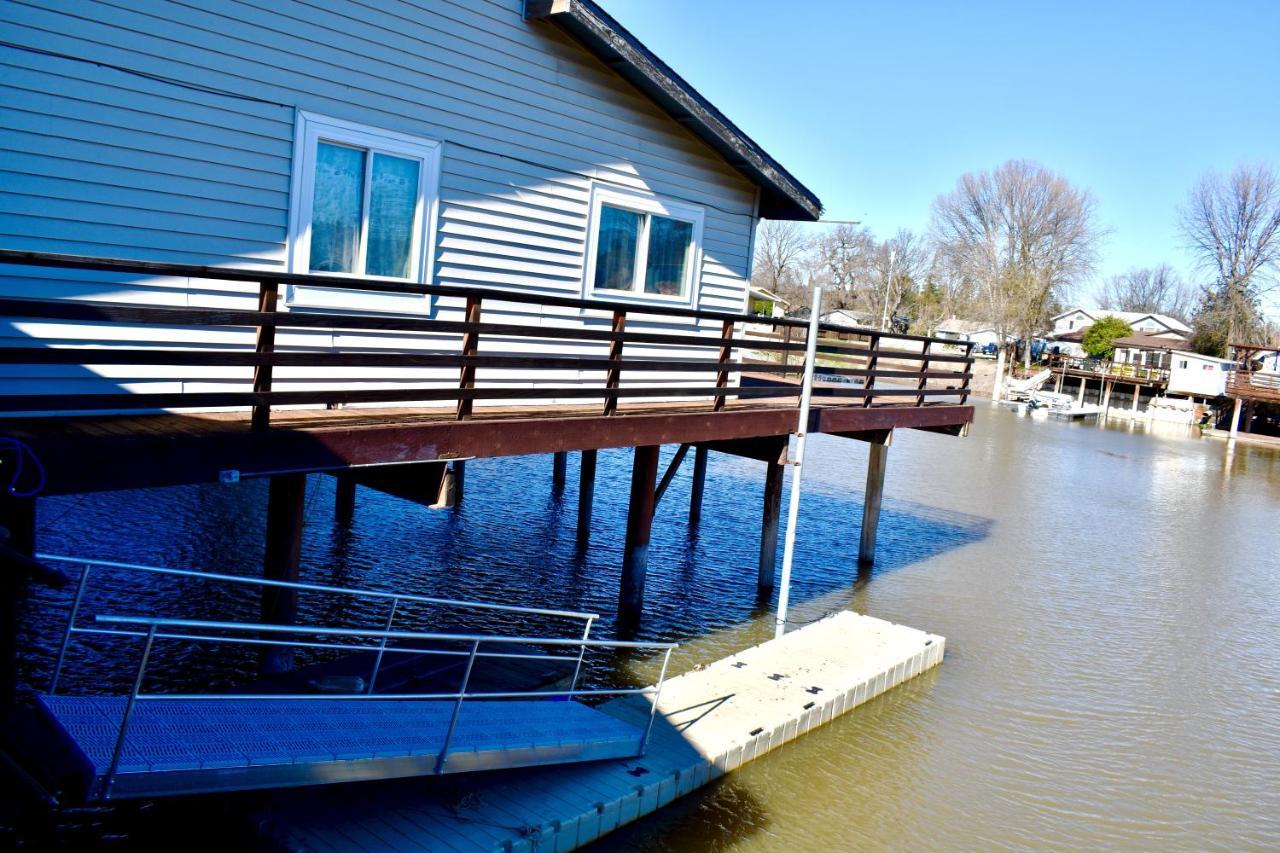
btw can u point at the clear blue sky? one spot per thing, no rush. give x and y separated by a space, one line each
879 107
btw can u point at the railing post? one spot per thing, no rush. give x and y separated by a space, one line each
786 353
924 371
382 646
470 347
653 708
268 296
71 623
116 753
582 652
614 377
873 359
968 371
457 708
722 376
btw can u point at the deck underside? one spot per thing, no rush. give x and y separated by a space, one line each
96 453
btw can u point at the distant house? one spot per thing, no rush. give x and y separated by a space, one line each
1196 375
1153 351
530 146
850 317
980 333
766 303
1070 326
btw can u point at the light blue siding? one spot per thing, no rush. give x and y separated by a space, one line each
189 159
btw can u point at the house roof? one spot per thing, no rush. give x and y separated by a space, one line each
1129 317
781 195
1152 342
765 293
955 324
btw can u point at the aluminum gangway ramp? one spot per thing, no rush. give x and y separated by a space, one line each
149 744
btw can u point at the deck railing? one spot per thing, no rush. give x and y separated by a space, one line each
1109 369
705 358
1254 385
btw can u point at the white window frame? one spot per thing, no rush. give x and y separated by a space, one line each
310 130
645 203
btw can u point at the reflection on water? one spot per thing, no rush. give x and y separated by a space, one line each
1109 599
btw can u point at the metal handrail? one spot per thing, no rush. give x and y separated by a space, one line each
320 630
395 598
153 632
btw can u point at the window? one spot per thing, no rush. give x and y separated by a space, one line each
642 247
1182 365
362 205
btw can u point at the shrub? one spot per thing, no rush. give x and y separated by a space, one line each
1100 340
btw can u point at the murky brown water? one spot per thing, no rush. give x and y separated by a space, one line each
1110 601
1112 676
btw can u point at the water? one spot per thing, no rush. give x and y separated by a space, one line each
1109 599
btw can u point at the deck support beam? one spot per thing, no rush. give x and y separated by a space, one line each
344 498
876 461
1235 417
1106 397
1137 395
586 494
286 501
635 554
1080 392
773 478
699 484
559 467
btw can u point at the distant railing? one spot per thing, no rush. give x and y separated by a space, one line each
1109 369
710 374
1254 385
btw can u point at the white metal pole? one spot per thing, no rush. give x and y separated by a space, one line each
797 463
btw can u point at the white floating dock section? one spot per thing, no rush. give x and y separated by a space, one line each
711 720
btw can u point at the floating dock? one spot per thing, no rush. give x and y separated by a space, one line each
711 720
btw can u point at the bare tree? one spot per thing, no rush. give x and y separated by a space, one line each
843 258
1158 290
1232 223
897 267
1024 235
780 249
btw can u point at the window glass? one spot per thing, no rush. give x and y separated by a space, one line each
616 248
336 208
669 241
393 200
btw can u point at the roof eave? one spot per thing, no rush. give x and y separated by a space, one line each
781 195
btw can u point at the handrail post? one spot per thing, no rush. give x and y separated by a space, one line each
457 708
924 372
614 377
71 623
873 359
265 345
382 646
118 751
470 347
722 376
968 370
582 651
653 708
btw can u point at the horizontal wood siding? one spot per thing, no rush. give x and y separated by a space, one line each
189 159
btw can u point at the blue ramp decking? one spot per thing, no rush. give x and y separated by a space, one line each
180 746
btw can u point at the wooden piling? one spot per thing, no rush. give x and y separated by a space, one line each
699 481
559 467
286 500
1235 418
586 494
879 455
17 533
635 555
769 525
344 499
459 468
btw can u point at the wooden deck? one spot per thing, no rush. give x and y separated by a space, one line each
711 721
83 454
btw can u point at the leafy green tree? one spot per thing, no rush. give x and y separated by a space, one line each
1100 340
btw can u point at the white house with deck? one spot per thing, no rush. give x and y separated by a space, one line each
532 146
